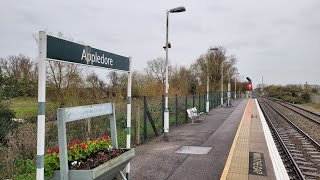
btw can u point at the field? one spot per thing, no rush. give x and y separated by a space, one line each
28 107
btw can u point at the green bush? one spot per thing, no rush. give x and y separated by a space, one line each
305 96
296 100
26 170
6 123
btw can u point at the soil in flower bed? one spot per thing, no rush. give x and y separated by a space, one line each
96 159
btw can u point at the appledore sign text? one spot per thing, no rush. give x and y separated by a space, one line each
63 50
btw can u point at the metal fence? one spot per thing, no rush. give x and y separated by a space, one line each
19 145
153 113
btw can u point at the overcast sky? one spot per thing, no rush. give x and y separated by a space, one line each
279 39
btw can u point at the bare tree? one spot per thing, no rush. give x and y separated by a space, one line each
157 68
19 67
210 64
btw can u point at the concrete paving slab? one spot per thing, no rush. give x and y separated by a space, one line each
157 159
193 150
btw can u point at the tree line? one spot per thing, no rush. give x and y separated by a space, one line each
71 83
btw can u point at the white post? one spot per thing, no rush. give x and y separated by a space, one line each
262 86
166 110
235 86
41 104
207 102
229 88
222 84
129 115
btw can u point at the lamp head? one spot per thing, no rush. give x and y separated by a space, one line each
177 9
214 49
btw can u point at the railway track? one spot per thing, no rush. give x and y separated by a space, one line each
300 153
303 112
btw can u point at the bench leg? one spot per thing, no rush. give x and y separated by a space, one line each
192 122
199 118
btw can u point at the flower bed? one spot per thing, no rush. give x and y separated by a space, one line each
106 171
83 155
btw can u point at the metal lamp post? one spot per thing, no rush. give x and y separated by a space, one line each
222 83
235 85
166 110
229 89
207 100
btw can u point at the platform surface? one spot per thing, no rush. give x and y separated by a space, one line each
249 156
159 160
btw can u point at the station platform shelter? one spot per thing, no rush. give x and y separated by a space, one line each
227 143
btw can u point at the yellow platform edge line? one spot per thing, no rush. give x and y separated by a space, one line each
228 162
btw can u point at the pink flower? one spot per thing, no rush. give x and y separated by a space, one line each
73 143
50 151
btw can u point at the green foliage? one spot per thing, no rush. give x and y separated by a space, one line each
290 93
6 123
27 107
305 96
296 100
314 90
11 87
26 169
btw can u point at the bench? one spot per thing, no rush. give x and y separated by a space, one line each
193 114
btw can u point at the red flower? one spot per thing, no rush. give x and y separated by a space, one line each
57 150
83 145
73 143
50 151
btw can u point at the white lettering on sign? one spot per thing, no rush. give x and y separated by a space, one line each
96 58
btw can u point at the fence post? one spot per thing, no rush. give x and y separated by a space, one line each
163 106
185 111
137 128
210 99
215 99
176 109
199 103
145 118
193 101
204 102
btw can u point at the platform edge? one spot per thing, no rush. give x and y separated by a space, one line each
228 162
278 166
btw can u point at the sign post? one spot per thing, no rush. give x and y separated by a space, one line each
57 49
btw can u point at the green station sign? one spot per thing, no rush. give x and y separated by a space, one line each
63 50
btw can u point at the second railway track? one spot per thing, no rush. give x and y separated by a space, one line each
303 112
301 151
300 118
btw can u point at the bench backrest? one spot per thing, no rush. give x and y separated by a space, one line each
192 112
190 115
195 110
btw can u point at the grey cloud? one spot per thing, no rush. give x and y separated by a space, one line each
263 34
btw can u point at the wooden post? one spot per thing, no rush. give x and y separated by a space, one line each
89 126
176 110
137 130
185 111
145 118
